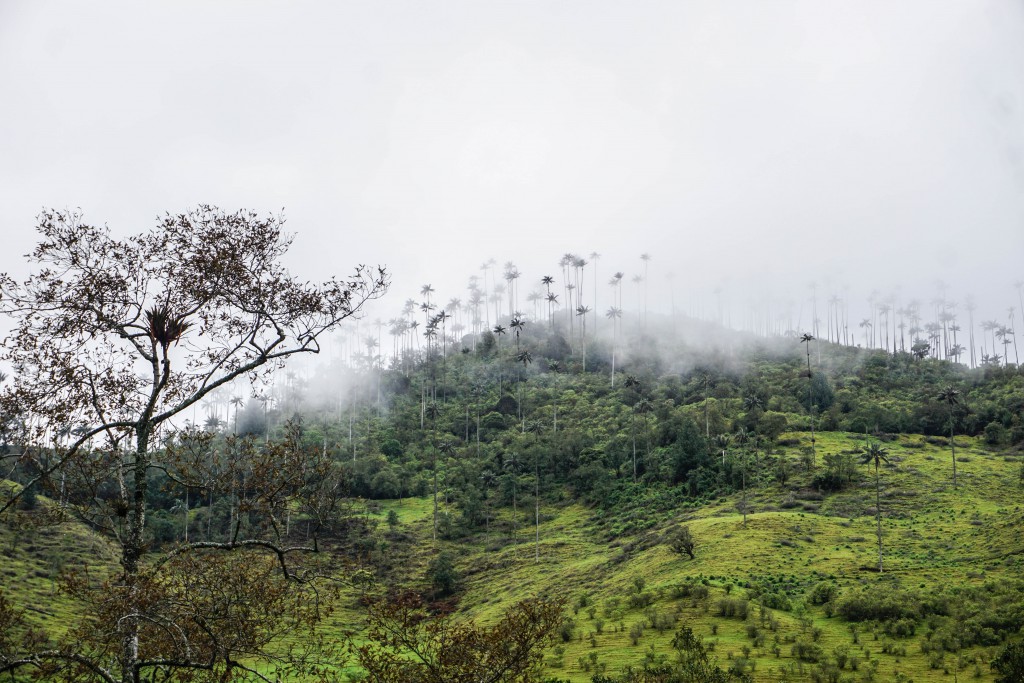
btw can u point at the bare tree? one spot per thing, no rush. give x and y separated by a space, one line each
123 335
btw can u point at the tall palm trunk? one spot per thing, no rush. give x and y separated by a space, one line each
878 517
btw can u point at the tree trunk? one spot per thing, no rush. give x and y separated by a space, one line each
131 555
878 518
952 446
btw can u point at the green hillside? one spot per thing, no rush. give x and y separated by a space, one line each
684 437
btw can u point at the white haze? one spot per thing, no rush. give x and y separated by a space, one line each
749 147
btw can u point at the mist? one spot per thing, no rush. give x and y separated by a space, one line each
767 156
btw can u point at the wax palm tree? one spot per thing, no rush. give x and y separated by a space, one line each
427 290
722 442
865 325
645 408
581 312
646 258
874 453
512 274
616 283
807 339
742 439
517 324
632 382
637 279
512 465
534 297
432 410
487 481
970 306
614 314
951 397
1009 332
524 357
594 258
552 299
705 379
1003 333
237 402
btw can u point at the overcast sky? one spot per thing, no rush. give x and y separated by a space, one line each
862 144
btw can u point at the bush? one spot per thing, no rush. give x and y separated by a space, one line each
900 628
737 608
442 576
807 652
1009 663
879 604
822 593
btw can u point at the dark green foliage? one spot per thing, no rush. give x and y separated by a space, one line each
822 593
29 498
733 608
807 652
443 577
391 448
881 604
681 541
1009 663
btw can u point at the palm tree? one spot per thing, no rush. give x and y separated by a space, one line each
614 314
646 258
237 402
865 325
807 339
1009 331
644 408
487 480
637 279
705 379
485 267
951 396
582 311
742 439
512 466
632 381
594 257
552 299
427 290
524 357
432 411
874 453
723 441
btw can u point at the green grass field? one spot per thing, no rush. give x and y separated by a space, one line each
627 590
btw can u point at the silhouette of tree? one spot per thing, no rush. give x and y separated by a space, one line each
124 335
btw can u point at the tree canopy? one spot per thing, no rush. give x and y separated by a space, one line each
113 338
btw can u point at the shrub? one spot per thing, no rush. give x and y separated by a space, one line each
879 604
822 593
442 575
807 652
737 608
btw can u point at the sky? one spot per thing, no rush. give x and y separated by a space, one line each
752 147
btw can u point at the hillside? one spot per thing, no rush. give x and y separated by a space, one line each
613 468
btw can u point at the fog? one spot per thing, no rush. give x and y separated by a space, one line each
765 155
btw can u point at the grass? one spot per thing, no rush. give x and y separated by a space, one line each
623 586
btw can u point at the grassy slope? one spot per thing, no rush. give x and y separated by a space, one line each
35 549
934 536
